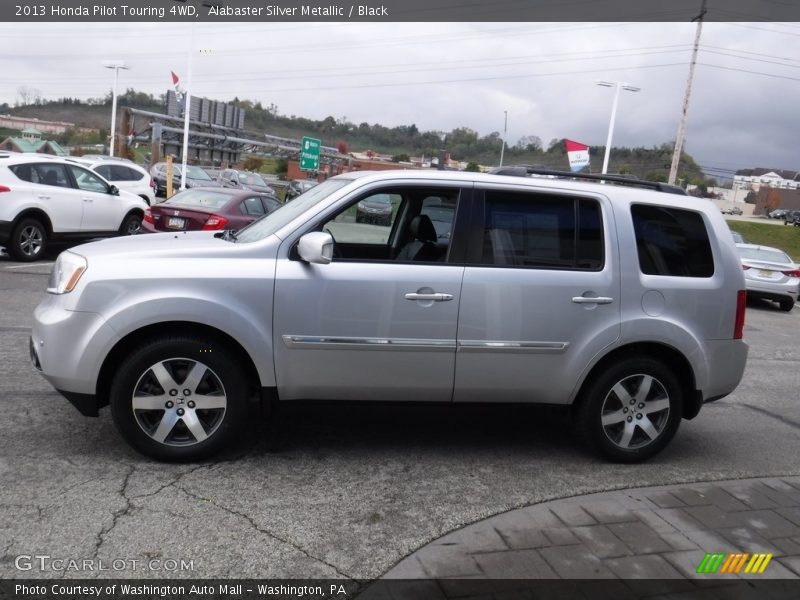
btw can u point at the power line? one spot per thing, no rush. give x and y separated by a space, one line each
358 71
750 72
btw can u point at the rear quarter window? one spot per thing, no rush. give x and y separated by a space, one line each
671 241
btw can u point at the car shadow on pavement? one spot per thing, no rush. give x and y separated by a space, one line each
392 426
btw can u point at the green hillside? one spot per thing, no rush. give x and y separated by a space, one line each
463 143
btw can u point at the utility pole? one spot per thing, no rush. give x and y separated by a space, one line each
505 133
676 155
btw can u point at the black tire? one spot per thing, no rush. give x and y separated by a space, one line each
131 224
787 304
600 399
28 240
167 433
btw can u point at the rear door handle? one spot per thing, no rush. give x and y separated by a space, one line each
86 199
43 197
594 300
436 296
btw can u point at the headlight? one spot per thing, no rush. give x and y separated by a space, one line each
66 272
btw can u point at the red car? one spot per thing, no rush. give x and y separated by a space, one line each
208 209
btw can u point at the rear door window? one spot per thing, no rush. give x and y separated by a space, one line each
522 229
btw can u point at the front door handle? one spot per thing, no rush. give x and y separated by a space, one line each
592 300
435 296
43 197
86 199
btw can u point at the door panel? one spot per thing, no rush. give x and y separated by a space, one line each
543 304
346 331
101 210
53 189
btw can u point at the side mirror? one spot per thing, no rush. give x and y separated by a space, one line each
113 190
316 247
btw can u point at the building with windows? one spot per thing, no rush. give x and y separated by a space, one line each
753 179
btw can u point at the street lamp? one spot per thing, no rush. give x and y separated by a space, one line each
116 65
505 133
617 85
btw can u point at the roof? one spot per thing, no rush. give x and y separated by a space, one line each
32 130
758 171
38 146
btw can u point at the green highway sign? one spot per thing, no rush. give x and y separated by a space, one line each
309 154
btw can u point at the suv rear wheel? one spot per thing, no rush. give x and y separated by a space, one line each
786 304
632 410
179 398
28 240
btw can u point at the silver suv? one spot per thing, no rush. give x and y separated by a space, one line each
625 303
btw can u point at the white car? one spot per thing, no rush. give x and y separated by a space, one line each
125 175
769 273
45 199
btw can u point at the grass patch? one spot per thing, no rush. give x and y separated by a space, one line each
785 237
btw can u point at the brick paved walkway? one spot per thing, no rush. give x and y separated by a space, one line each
648 533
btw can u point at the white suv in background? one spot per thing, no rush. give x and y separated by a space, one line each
125 175
45 199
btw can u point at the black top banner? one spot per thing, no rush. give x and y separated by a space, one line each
228 11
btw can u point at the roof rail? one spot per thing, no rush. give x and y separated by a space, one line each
525 170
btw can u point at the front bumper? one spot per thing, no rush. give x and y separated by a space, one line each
70 348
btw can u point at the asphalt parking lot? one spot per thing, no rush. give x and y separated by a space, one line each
336 491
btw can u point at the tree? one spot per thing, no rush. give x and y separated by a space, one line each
253 163
401 158
341 146
28 95
772 201
531 143
473 167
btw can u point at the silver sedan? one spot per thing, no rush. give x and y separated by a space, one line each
770 273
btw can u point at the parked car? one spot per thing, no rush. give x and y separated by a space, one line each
769 273
792 217
45 200
732 210
244 180
625 303
208 209
195 177
125 174
778 213
298 186
376 209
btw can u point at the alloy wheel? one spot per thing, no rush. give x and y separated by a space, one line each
30 240
179 402
635 411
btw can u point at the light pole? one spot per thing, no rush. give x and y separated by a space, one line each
505 134
186 112
617 85
116 65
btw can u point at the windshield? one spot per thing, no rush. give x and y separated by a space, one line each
197 173
268 225
765 254
200 199
251 179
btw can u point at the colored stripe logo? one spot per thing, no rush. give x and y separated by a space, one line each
738 562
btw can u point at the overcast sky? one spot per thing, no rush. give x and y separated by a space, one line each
743 111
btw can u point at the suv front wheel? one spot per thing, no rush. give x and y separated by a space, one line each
179 398
632 410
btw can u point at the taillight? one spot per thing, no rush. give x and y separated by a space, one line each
4 188
152 183
215 222
148 217
795 273
738 328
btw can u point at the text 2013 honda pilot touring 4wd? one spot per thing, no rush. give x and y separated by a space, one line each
623 301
